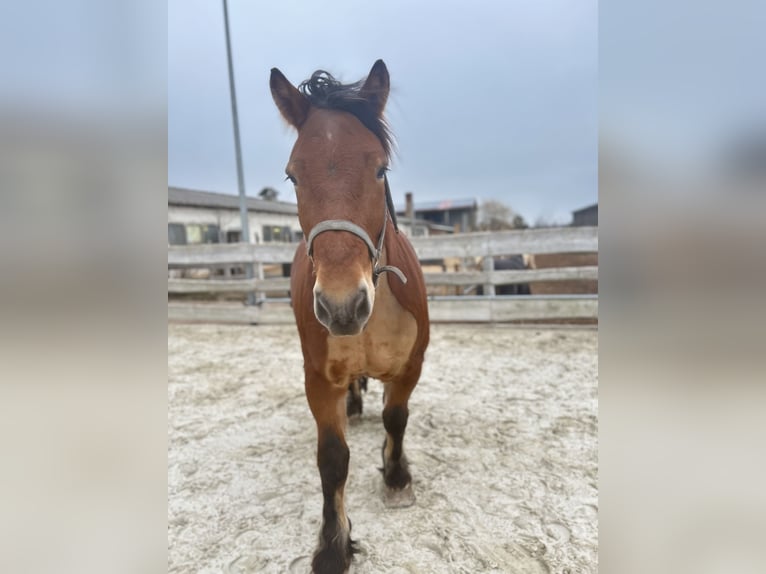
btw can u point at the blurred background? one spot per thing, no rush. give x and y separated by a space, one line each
682 189
83 171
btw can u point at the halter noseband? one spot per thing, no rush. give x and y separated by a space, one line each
375 252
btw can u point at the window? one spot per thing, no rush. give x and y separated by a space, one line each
233 236
277 234
203 234
176 234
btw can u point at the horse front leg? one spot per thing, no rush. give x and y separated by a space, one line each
327 402
396 473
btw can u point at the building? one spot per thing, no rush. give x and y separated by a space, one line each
587 216
415 227
208 217
458 214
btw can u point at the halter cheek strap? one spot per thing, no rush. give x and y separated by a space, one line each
375 251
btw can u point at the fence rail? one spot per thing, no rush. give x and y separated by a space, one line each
441 310
463 247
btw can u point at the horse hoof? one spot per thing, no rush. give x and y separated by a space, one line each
399 497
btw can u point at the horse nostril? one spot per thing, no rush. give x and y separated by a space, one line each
362 304
343 318
322 308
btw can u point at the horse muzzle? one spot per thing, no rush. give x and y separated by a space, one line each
343 315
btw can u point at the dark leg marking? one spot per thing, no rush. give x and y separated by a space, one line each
395 469
335 546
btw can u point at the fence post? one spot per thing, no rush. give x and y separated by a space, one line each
464 264
489 265
259 295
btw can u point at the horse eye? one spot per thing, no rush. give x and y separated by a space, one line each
382 172
291 178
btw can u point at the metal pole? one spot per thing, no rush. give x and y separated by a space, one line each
238 152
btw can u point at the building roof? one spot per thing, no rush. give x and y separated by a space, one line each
194 198
443 205
587 208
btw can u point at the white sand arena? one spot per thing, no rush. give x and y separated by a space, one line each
502 444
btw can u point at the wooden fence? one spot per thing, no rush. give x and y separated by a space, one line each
467 248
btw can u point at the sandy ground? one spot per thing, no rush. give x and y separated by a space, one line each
502 443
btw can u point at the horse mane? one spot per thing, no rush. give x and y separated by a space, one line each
324 91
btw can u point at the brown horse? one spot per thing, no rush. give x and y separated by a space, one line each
357 289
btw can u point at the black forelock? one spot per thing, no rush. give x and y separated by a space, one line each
324 91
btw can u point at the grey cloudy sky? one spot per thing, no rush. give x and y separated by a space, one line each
490 100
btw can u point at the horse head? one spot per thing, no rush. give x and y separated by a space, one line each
338 167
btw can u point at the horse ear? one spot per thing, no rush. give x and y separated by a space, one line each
293 105
377 86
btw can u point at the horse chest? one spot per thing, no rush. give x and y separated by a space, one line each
382 350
